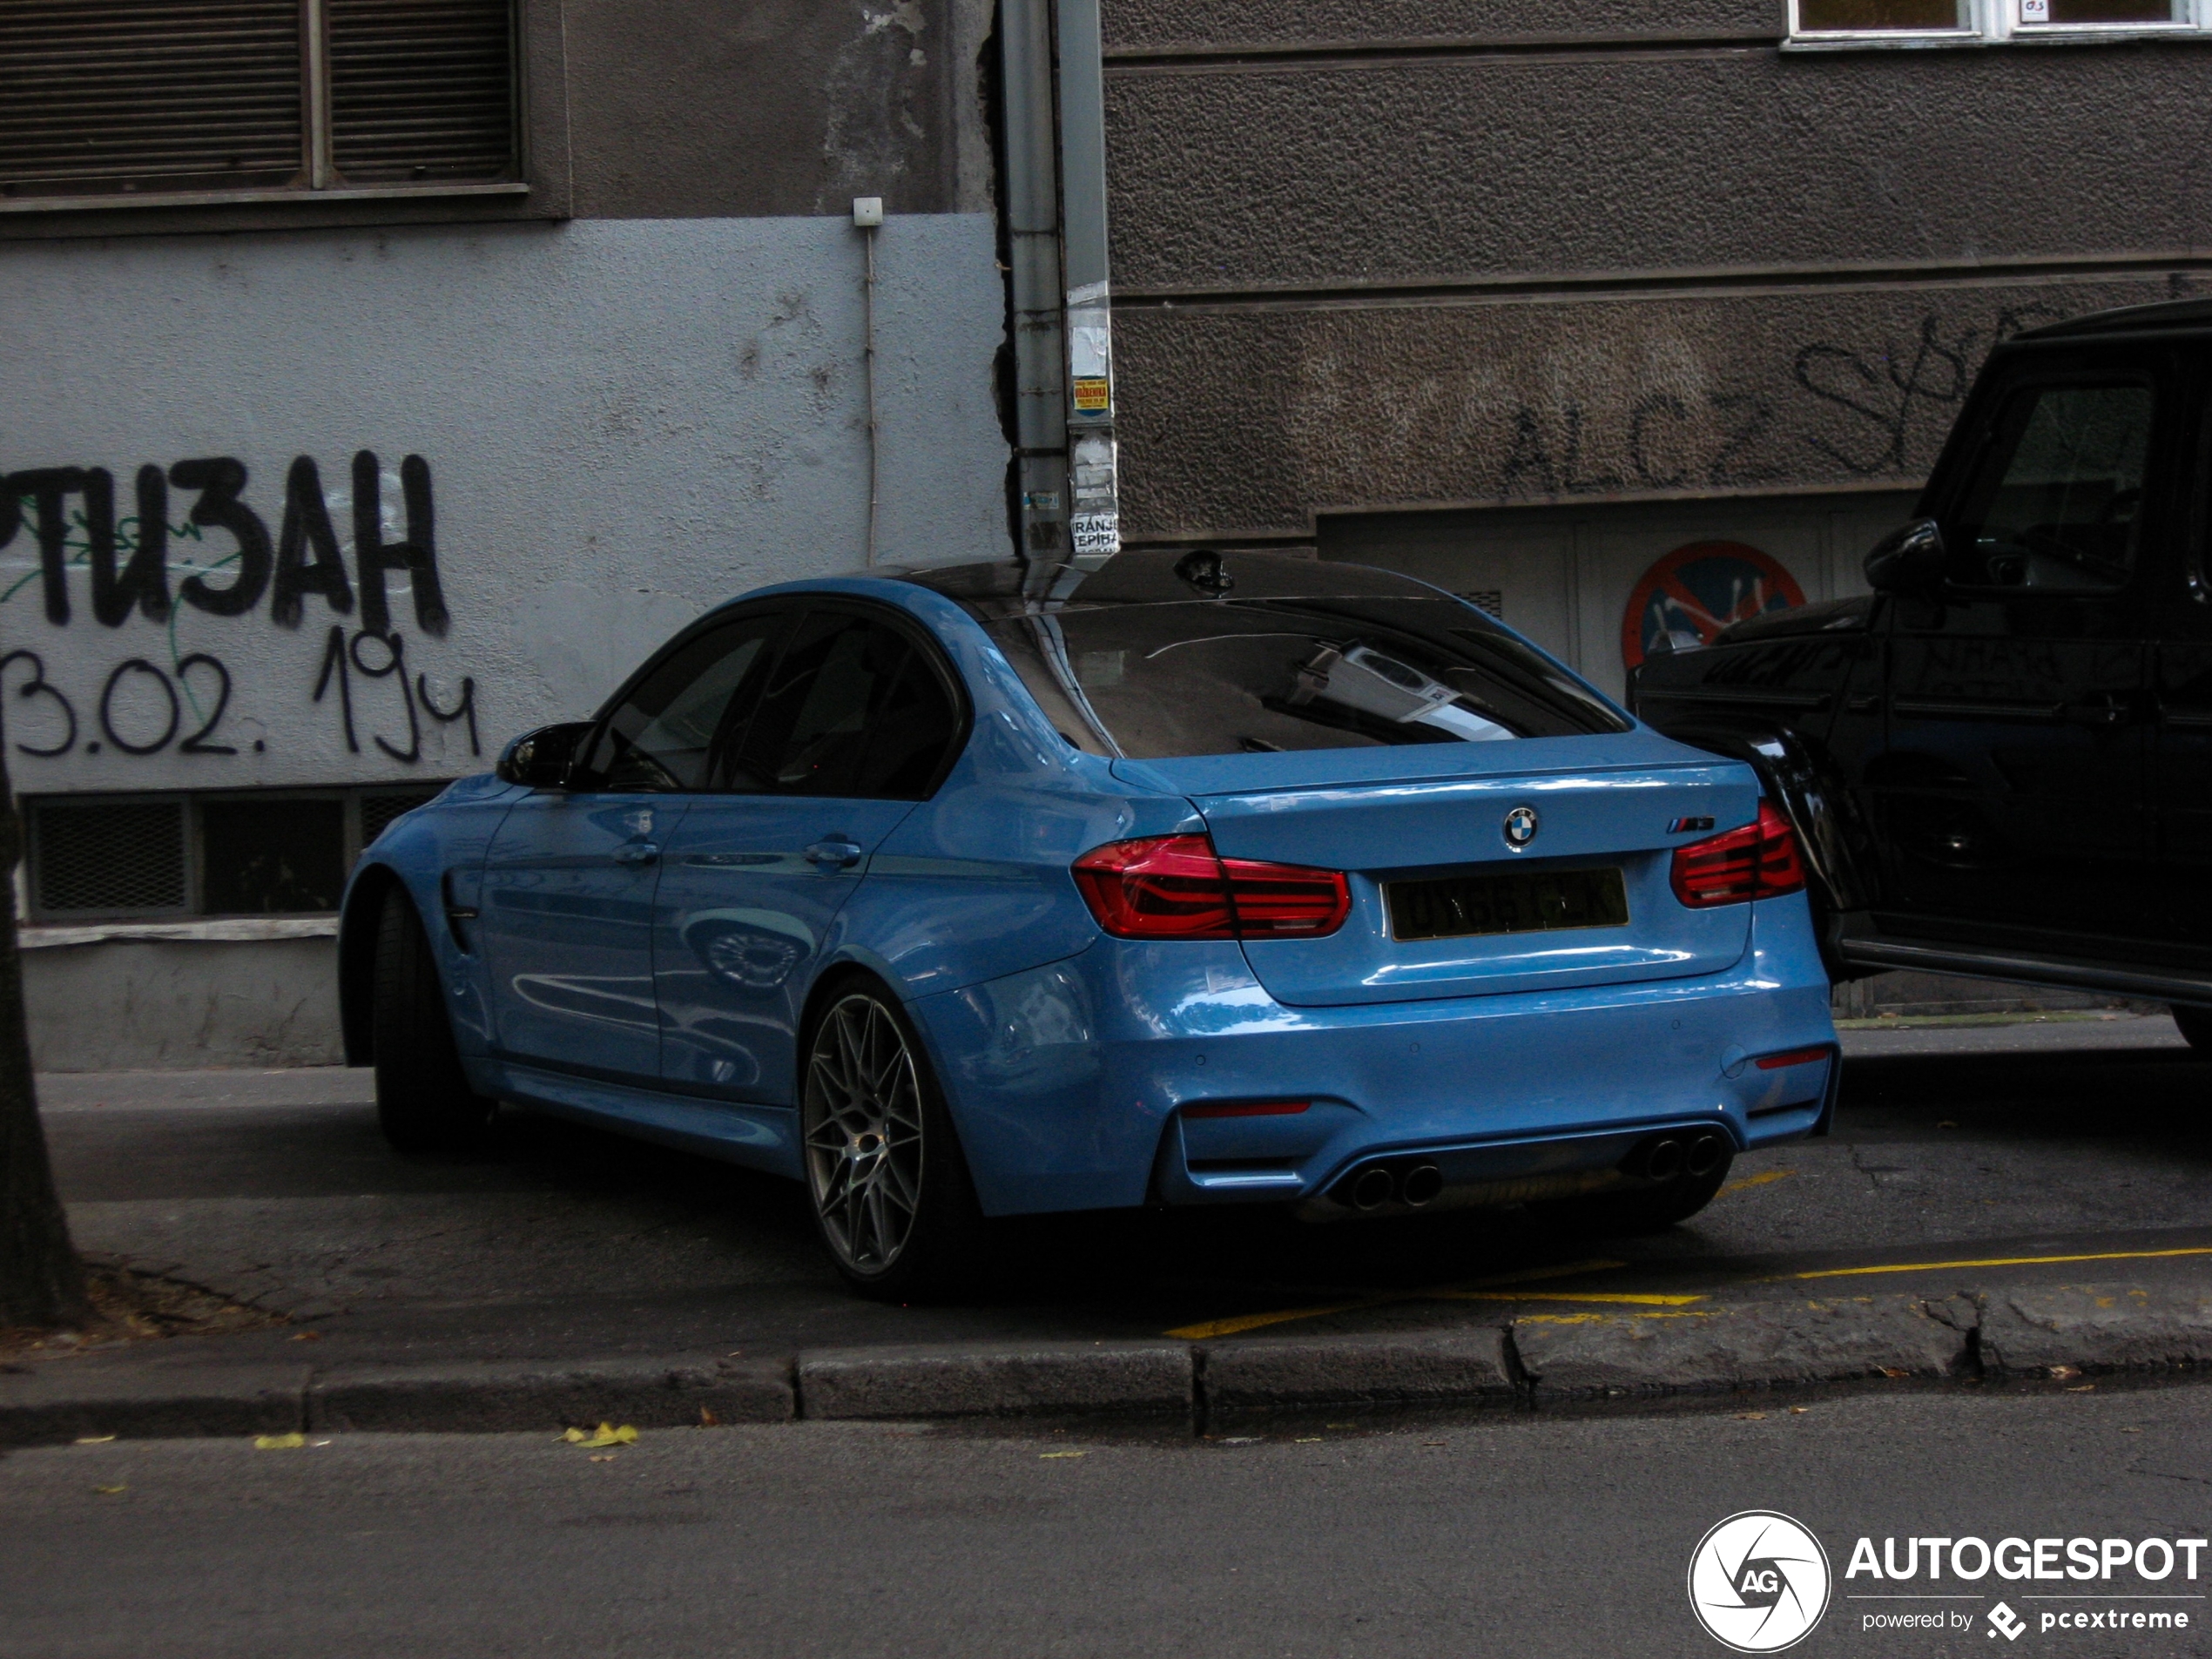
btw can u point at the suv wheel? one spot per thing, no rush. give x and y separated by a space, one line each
2196 1026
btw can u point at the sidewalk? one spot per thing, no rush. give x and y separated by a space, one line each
1998 1200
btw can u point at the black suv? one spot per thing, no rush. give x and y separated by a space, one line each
2001 762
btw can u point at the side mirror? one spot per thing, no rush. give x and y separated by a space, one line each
1908 560
541 759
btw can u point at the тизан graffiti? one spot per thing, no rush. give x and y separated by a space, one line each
139 708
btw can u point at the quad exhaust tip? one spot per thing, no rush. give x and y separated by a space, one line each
1422 1185
1670 1158
1373 1188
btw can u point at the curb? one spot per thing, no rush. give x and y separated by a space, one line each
1534 1363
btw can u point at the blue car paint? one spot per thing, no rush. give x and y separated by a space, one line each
1064 1054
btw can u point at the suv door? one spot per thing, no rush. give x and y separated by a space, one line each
855 725
2013 788
2182 768
569 880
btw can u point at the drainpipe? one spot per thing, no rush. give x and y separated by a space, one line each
1095 507
1032 187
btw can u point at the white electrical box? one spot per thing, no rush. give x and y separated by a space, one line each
868 212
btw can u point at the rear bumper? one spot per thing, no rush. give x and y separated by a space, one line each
1071 1084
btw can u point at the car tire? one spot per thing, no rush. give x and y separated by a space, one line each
888 1187
2195 1025
1648 1209
423 1101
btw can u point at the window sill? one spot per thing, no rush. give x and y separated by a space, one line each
237 930
146 199
2029 34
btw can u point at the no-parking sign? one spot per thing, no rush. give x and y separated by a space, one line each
1695 591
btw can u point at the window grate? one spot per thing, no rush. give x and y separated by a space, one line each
129 95
420 91
105 858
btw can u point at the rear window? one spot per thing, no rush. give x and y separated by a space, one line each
1154 681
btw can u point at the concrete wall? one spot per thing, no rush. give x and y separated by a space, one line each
1388 256
620 423
166 1004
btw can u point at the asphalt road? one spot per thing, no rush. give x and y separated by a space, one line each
1525 1536
2031 1145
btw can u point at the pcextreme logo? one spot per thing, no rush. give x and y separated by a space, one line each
1758 1581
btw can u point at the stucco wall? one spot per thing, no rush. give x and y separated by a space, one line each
619 423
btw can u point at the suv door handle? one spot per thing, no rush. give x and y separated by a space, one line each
836 852
638 853
2107 708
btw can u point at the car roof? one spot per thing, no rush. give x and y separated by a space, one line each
2165 316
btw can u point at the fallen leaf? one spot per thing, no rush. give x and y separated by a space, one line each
2131 1431
278 1442
308 1336
606 1434
1799 1411
111 1492
604 1457
1433 1442
2064 1371
707 1419
1337 1425
94 1439
1043 1454
2082 1388
1751 1417
1307 1439
1894 1371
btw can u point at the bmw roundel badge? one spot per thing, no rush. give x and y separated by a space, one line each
1521 826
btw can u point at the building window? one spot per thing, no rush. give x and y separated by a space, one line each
176 857
217 100
1935 22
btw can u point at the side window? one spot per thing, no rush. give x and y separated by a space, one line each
2054 500
852 710
667 733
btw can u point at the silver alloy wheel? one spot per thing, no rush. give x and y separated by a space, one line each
863 1133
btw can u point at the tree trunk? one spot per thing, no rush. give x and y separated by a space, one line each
41 1281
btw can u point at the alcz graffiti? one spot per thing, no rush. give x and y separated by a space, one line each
228 563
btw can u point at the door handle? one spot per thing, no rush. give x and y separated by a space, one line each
836 853
2108 708
638 853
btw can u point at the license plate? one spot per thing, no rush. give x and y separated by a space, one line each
1510 901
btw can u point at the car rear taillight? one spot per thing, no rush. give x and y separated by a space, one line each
1177 886
1758 861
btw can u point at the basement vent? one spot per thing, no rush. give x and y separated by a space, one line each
108 859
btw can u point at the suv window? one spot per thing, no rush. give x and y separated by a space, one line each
664 735
2055 499
853 708
1319 671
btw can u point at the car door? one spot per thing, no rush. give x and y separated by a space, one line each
2182 769
853 728
569 879
2012 789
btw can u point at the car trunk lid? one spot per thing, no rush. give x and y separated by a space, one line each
1444 903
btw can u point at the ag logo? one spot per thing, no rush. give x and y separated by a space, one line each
1758 1582
1521 825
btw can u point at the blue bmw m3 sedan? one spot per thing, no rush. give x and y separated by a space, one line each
996 889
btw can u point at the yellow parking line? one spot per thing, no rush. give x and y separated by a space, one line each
2000 1261
1285 1315
1759 1180
1628 1298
